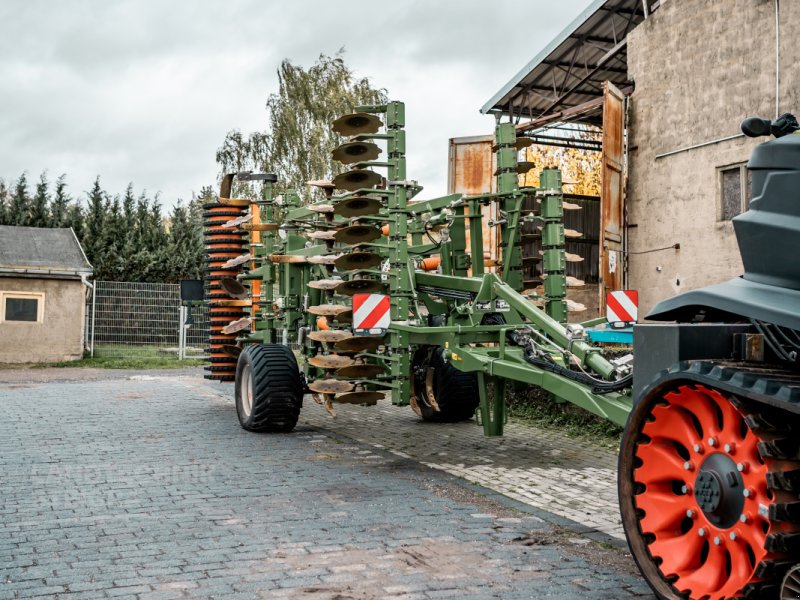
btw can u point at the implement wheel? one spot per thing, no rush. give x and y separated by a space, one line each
700 516
269 390
444 394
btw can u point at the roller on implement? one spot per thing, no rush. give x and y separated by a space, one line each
387 297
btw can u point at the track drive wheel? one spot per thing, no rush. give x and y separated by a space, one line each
704 496
443 393
269 388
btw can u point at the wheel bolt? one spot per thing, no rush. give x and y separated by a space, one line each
717 541
733 536
698 448
742 467
730 448
747 492
712 442
690 513
744 518
688 466
701 532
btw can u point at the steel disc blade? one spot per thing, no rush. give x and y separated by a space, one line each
238 325
234 288
330 361
325 284
352 152
322 235
327 310
239 202
356 179
356 124
357 234
320 208
329 336
344 317
523 142
358 286
524 167
330 386
360 371
322 184
367 398
358 206
358 344
259 226
324 259
358 260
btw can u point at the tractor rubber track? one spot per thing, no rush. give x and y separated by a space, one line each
769 399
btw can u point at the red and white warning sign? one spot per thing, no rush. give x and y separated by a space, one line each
622 306
370 314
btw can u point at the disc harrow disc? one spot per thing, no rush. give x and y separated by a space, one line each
344 317
234 288
360 371
358 286
358 344
324 284
356 123
321 235
321 208
358 260
240 202
330 361
329 335
238 325
365 398
324 259
353 152
357 234
356 179
330 386
327 310
358 206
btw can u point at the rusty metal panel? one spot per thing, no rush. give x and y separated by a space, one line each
612 196
471 172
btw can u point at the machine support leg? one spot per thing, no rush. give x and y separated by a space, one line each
492 410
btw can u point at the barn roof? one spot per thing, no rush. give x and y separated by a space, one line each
40 252
569 72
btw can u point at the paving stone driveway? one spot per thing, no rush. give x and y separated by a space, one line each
148 488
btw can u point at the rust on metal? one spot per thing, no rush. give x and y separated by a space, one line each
325 284
239 202
355 371
365 398
225 302
235 262
320 208
358 344
287 258
331 361
324 259
260 226
234 288
329 336
322 235
345 316
238 220
327 310
237 325
330 386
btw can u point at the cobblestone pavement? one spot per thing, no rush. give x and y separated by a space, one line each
572 478
148 488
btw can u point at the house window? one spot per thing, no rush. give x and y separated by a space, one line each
21 306
734 186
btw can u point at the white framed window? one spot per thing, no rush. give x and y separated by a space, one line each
21 307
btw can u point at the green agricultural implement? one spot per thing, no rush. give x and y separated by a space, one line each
387 297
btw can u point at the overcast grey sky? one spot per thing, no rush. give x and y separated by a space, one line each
145 90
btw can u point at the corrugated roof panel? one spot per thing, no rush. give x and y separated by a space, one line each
569 71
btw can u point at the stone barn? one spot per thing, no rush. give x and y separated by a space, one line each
666 83
43 282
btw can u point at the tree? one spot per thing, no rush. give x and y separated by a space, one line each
19 204
40 206
60 206
4 203
298 142
94 224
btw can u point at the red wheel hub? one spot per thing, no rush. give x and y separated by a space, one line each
702 493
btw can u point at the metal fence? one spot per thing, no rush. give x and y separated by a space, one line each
142 320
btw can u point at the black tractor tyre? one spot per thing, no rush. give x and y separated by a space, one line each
269 388
455 392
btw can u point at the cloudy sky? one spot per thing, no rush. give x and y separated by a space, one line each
145 90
